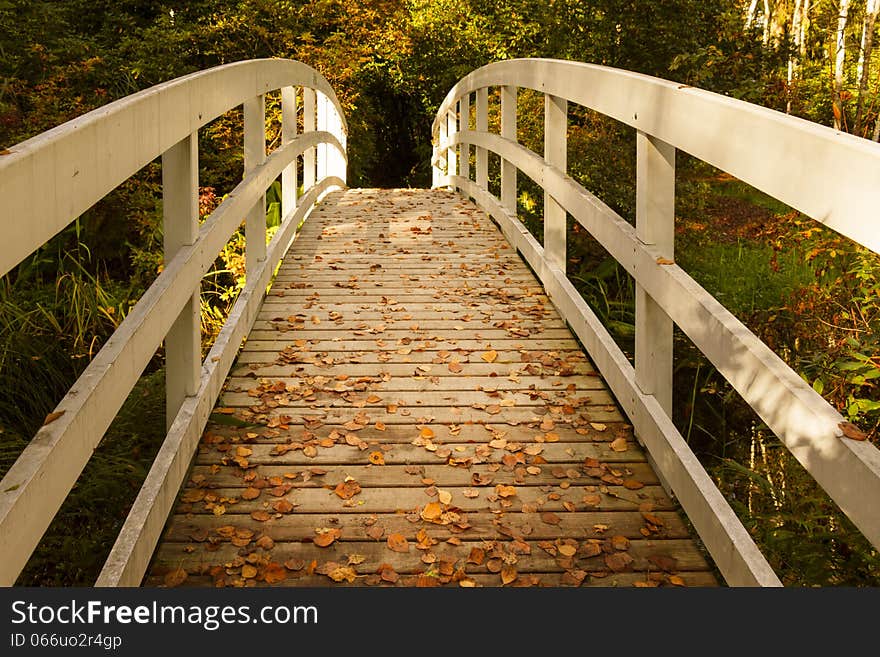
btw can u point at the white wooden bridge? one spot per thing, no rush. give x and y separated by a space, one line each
425 398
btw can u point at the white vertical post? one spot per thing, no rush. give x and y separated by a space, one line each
555 154
482 126
339 167
508 131
288 134
464 124
323 124
309 103
180 216
451 129
655 224
255 155
440 162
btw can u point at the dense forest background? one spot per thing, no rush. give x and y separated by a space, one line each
810 294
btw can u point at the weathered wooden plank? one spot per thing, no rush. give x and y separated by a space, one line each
403 337
404 379
494 374
686 557
505 400
403 454
372 476
309 425
187 528
379 344
691 579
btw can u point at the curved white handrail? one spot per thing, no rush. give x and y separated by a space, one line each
709 126
83 160
828 175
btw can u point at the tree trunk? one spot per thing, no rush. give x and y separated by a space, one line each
750 15
766 39
802 39
793 53
872 8
839 61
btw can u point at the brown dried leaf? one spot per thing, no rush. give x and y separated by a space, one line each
274 573
325 537
550 518
175 577
283 506
398 543
852 432
620 543
261 516
508 574
455 367
618 561
250 493
347 489
477 556
619 444
52 417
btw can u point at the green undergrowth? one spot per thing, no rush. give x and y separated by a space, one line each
80 537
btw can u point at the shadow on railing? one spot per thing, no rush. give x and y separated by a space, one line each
788 158
87 158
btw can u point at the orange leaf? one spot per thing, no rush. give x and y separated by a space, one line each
250 493
377 458
348 489
398 543
261 516
432 511
489 356
665 261
508 574
455 367
275 573
52 417
326 537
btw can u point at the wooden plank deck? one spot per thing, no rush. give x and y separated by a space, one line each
418 414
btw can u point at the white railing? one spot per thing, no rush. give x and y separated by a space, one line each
827 175
49 180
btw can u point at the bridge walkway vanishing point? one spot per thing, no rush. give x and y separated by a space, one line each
423 416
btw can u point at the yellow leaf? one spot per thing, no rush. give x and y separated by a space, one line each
445 496
489 356
377 458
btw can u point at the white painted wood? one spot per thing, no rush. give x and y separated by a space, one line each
35 486
322 123
827 175
508 131
133 549
255 155
732 548
464 158
49 180
555 154
289 183
655 225
452 156
848 470
180 222
482 125
309 124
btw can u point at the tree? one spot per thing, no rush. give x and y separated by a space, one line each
839 62
872 8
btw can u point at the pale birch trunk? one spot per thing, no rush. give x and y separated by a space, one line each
872 8
750 15
839 61
793 54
